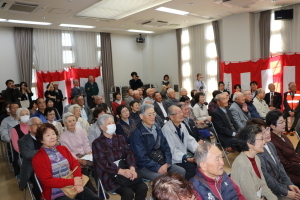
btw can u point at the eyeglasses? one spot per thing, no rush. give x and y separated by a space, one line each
151 114
259 138
266 130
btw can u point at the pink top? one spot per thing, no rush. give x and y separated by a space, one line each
15 137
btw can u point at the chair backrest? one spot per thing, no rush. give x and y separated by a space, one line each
38 183
102 189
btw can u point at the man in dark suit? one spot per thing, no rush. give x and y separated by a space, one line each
77 90
224 123
273 99
221 87
59 98
159 106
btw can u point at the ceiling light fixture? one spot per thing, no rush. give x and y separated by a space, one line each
76 26
171 10
3 20
139 31
28 22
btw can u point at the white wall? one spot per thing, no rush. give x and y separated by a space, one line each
8 58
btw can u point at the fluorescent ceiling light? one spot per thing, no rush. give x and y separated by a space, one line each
3 20
139 31
76 26
117 9
173 11
28 22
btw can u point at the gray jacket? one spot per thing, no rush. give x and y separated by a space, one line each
239 116
269 167
94 133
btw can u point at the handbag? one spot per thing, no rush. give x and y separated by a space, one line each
68 190
24 103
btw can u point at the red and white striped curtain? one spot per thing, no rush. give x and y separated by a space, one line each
279 70
65 79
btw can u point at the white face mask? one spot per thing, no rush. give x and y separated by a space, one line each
111 129
24 118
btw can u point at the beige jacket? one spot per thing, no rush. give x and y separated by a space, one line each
243 174
261 107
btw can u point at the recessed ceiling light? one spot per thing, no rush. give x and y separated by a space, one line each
139 31
171 10
43 17
190 4
76 26
28 22
3 20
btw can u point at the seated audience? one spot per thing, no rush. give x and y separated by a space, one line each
50 104
32 108
125 125
135 82
213 103
50 115
246 168
274 173
110 151
173 186
239 110
11 93
199 84
118 101
40 111
73 101
134 114
29 146
183 92
273 99
151 148
284 147
193 93
221 87
171 98
94 130
129 97
52 162
26 92
160 106
163 92
9 122
141 92
85 111
137 96
260 104
200 109
253 86
211 181
250 106
149 93
77 90
224 123
80 122
21 129
180 141
98 101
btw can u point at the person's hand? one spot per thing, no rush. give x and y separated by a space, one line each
293 195
191 160
244 107
208 118
292 114
294 188
272 108
133 172
78 188
82 162
163 169
78 181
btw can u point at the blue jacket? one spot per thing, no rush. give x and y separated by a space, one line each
40 115
228 190
252 110
141 141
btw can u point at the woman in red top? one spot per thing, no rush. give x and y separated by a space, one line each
52 162
118 101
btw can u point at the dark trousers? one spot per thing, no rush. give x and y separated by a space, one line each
286 115
89 184
137 191
190 169
35 189
86 194
90 102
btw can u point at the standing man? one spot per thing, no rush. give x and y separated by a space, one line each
199 84
91 89
41 108
135 82
253 87
77 90
59 98
11 93
291 104
273 99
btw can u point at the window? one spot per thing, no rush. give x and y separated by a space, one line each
98 47
185 55
276 38
68 55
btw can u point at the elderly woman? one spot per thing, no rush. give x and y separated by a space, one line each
21 129
125 126
275 175
108 151
200 109
284 147
80 122
52 162
118 101
251 180
50 114
94 130
134 114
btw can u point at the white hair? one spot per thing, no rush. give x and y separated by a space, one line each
66 115
72 108
29 123
101 120
170 90
18 113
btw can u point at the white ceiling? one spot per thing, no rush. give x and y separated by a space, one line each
63 11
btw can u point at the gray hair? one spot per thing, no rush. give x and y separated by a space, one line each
72 108
145 107
236 95
135 92
170 90
29 123
171 109
245 92
18 113
217 98
103 118
148 90
202 151
66 115
270 84
183 89
259 90
182 104
97 96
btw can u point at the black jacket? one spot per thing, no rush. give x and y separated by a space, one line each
277 100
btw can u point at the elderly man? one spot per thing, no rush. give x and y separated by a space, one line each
29 146
85 111
239 110
130 96
183 92
250 106
9 122
160 106
211 182
224 123
77 90
149 93
180 141
253 86
41 108
98 102
213 103
151 148
91 89
291 104
273 99
136 96
171 100
11 93
260 104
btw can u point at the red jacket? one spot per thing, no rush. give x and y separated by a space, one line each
42 167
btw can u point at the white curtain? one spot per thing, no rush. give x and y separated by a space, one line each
85 49
47 53
199 56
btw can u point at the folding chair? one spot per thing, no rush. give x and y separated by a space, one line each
28 184
5 148
39 185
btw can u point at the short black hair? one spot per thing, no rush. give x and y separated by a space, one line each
236 85
253 82
11 103
133 73
119 109
48 110
257 122
154 93
215 93
50 99
184 98
247 135
97 111
272 117
166 76
221 82
133 102
42 129
9 80
197 96
192 93
115 94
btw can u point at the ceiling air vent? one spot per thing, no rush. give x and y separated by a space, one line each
22 6
154 23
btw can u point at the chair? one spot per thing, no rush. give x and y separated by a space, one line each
39 185
102 190
28 184
6 150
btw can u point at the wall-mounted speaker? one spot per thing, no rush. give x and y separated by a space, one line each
176 88
284 14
